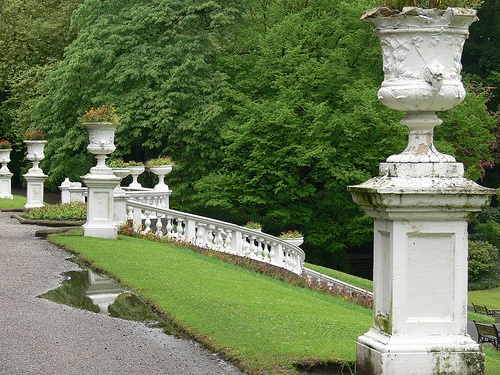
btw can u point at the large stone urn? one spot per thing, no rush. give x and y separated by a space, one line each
420 203
101 182
101 144
5 175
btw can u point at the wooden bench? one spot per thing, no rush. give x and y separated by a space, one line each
483 310
488 333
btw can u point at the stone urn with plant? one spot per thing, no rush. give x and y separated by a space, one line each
161 167
5 174
5 149
35 145
136 168
120 169
101 124
292 236
420 201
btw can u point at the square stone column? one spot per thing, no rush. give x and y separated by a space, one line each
420 213
100 206
34 189
6 184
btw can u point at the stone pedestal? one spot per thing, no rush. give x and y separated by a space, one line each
420 213
5 184
34 188
100 205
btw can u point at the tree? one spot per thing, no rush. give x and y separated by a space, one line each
155 61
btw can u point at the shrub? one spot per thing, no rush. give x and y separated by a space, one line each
483 257
58 212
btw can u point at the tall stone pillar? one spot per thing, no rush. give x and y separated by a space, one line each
420 203
420 216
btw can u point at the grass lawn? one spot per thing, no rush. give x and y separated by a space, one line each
263 325
17 202
489 297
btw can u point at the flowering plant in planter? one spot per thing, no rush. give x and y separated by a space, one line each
133 163
291 234
105 113
253 225
429 4
159 162
34 135
5 144
117 163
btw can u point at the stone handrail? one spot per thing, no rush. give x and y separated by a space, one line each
215 234
331 283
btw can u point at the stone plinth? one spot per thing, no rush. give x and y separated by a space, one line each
100 206
6 184
420 213
34 188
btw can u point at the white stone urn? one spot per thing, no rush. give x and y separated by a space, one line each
121 173
135 171
297 241
161 171
101 144
35 154
5 159
421 51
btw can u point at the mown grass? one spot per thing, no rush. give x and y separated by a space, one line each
17 203
263 325
489 297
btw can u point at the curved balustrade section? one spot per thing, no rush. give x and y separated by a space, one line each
149 215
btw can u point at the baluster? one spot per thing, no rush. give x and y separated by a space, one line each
170 226
180 228
210 236
218 239
265 253
147 222
159 226
253 248
201 234
245 247
272 252
228 243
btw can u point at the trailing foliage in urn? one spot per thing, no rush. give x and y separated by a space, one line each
5 144
105 113
34 135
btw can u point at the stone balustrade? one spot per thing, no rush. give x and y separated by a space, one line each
215 234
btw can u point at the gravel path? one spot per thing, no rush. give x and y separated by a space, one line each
41 337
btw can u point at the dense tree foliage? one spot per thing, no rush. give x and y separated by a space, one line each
268 108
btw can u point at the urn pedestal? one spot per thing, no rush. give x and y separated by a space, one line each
420 204
35 177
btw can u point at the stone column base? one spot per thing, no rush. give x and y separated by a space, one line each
100 206
34 189
5 185
377 353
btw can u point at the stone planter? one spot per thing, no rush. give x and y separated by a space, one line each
161 171
101 144
135 171
35 154
121 173
421 51
297 241
5 159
